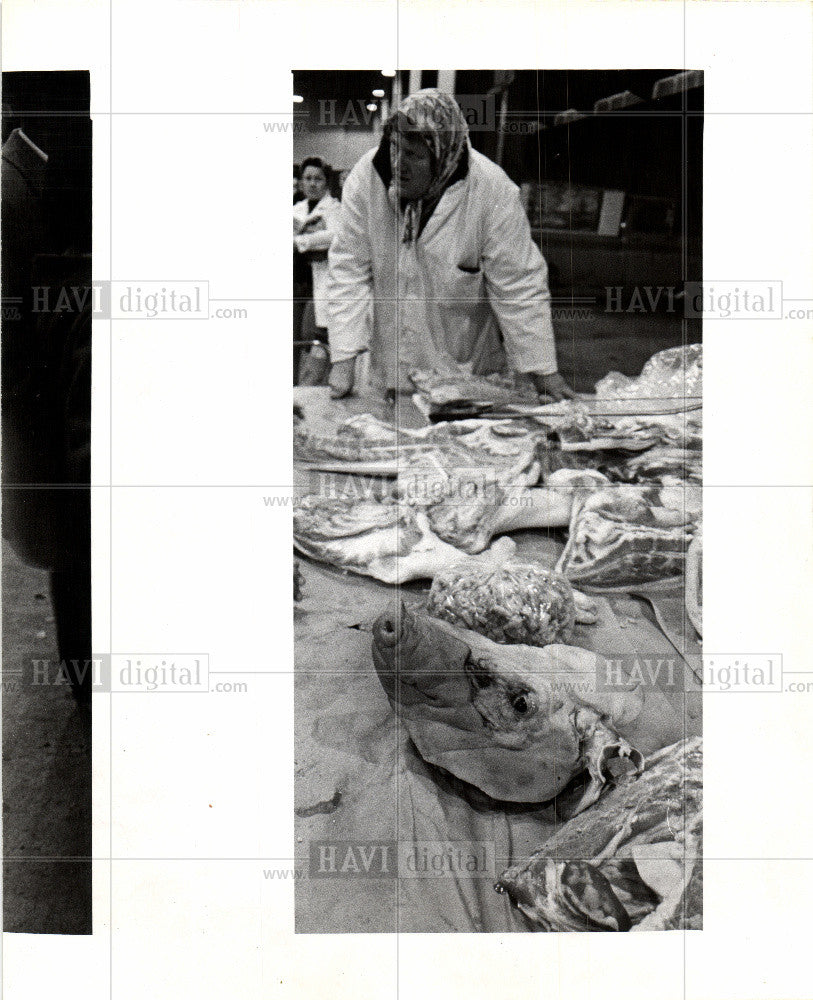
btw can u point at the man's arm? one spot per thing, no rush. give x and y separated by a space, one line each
517 282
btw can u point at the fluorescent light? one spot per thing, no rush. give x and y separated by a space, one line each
378 93
298 99
388 72
372 106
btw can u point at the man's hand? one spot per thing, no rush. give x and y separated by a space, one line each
341 378
553 385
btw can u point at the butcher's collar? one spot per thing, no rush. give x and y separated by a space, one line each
383 167
27 158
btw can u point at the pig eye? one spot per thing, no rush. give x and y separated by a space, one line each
520 703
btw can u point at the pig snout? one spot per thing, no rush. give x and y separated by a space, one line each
390 627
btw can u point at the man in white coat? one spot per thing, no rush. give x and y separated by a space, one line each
433 236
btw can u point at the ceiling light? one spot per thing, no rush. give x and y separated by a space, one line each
372 106
388 72
298 99
378 93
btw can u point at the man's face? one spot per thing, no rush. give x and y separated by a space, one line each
411 166
314 183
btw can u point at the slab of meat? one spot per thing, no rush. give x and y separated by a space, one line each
469 500
358 439
366 442
383 539
670 381
462 493
443 388
633 861
586 431
666 466
629 535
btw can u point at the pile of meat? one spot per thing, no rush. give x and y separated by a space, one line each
644 430
621 472
632 862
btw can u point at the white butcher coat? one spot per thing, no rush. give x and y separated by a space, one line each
471 293
327 208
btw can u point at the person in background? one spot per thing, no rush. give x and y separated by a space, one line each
433 235
298 196
303 288
315 219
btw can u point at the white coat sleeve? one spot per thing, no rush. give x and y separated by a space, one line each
350 274
516 278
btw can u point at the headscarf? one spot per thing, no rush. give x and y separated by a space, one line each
437 119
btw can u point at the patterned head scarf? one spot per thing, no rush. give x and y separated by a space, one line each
437 119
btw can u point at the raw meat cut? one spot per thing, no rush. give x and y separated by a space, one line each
462 496
364 442
583 431
665 466
377 538
659 408
467 505
629 535
632 862
410 539
358 439
380 538
443 388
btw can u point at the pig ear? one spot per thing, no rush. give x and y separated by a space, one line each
573 658
620 708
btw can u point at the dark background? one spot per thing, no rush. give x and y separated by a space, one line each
46 380
52 109
653 148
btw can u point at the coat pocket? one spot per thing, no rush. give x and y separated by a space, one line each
464 286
